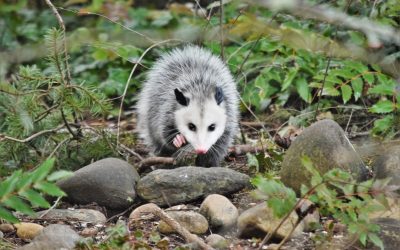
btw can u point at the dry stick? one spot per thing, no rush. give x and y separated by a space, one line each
154 209
67 125
61 23
131 151
221 29
233 151
30 138
130 77
57 147
51 208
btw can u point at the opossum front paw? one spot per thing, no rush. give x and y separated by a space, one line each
179 140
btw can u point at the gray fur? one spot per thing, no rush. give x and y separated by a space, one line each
195 71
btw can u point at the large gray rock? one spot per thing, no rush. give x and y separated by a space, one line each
85 215
54 237
109 182
260 220
327 146
184 184
388 165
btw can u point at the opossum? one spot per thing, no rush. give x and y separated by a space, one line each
189 103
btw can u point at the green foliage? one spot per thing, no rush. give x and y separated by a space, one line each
37 101
336 194
22 187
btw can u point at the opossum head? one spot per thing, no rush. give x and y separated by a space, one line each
201 122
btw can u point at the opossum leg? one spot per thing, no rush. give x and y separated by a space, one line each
207 160
179 140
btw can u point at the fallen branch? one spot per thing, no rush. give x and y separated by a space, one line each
233 151
375 31
30 138
157 211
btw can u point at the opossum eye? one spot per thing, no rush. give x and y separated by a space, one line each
211 127
192 127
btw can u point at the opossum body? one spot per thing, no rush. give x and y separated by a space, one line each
189 103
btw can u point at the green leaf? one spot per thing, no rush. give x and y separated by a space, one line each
382 107
330 91
43 170
16 203
357 85
369 77
382 89
346 93
49 188
376 240
383 125
61 174
289 78
303 90
363 238
35 198
7 215
9 184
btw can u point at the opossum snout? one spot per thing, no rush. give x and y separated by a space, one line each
201 151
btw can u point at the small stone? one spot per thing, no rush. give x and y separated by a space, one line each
1 235
217 241
84 215
311 220
28 230
260 220
89 232
192 221
6 228
219 211
54 237
393 213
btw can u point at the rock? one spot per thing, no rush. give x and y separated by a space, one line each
388 165
6 228
85 215
219 211
217 241
389 233
89 232
184 184
54 237
312 219
393 213
1 235
327 146
27 230
109 182
260 220
191 220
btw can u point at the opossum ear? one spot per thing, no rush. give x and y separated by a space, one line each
219 95
182 100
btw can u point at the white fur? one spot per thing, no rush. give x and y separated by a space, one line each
213 114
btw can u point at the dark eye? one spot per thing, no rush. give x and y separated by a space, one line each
211 127
192 127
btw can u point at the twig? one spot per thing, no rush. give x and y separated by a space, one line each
154 209
221 29
131 151
57 147
323 85
42 115
348 122
30 138
157 160
130 77
51 208
66 124
61 23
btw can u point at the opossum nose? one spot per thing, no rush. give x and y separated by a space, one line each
201 151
